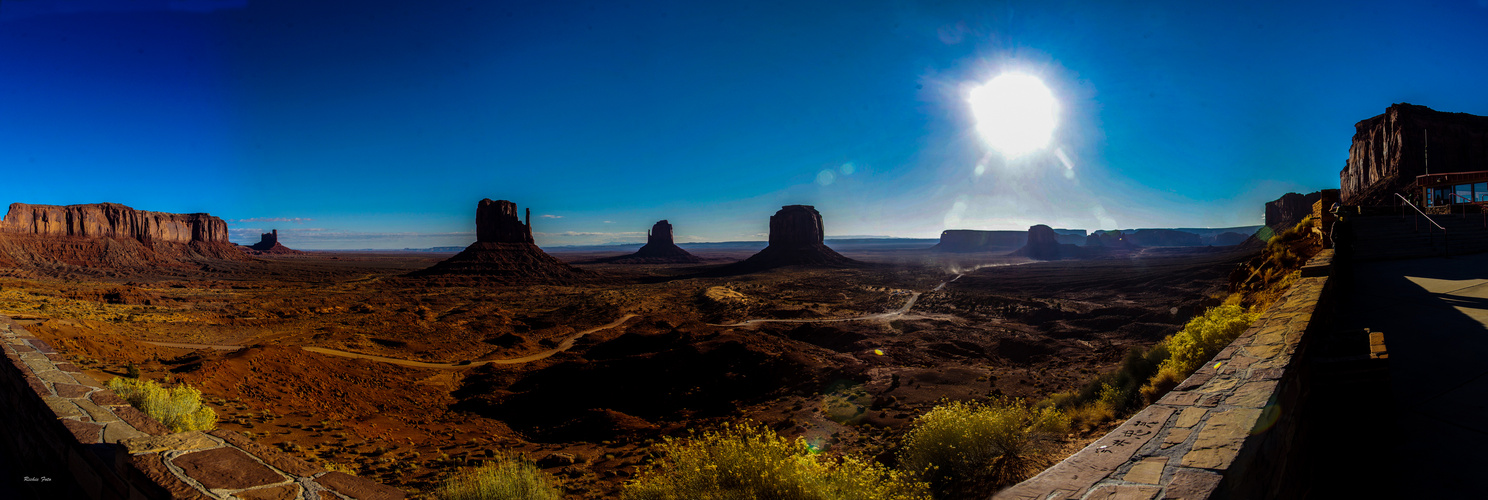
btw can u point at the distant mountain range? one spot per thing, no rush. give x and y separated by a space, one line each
860 242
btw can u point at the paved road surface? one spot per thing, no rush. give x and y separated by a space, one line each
1434 315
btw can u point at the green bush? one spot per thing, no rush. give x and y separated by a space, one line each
503 479
959 442
180 408
740 461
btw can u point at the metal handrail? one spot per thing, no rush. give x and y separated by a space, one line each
1428 219
1482 208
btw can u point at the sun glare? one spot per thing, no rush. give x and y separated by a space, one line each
1015 113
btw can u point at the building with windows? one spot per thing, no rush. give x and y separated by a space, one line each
1453 188
1392 152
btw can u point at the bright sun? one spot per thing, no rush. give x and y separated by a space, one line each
1015 113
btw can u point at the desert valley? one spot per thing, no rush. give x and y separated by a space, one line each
1015 250
403 366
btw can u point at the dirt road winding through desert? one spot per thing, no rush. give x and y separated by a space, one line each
568 342
913 296
565 345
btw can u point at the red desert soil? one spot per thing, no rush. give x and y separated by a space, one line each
663 349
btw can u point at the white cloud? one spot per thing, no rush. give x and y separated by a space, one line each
551 216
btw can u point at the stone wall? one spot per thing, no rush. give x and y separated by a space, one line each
73 438
1225 432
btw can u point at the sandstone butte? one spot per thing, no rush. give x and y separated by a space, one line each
503 252
1043 244
660 248
973 240
1390 150
1290 209
1116 239
268 244
112 220
796 238
109 236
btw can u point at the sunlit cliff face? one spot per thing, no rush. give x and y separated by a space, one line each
1015 113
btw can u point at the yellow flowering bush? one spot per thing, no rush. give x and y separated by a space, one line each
180 408
959 441
740 461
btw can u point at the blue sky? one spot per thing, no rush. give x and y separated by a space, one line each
380 124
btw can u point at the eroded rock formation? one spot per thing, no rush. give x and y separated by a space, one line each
1391 149
1109 239
971 240
268 244
1227 239
497 222
1043 244
108 238
1164 238
659 249
1290 209
796 225
112 220
796 238
503 253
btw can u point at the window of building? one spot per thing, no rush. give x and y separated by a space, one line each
1480 191
1440 196
1464 193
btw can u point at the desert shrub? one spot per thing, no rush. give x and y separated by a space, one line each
503 479
1089 416
1113 393
1165 380
1205 335
740 461
180 408
1050 420
1114 396
1198 342
959 443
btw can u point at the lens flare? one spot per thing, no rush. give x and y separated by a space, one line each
1015 113
1269 415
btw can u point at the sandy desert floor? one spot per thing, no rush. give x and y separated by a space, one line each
340 359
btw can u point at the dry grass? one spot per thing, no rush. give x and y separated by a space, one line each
503 479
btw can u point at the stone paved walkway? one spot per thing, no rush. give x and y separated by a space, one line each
1433 441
